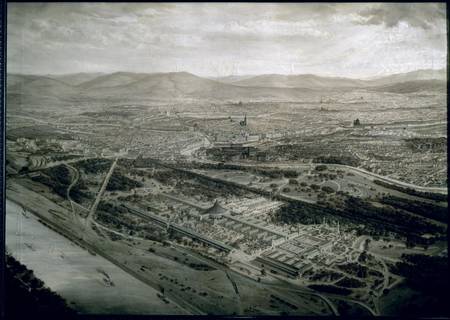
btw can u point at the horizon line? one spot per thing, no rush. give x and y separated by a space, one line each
225 76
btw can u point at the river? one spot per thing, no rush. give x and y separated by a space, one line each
78 276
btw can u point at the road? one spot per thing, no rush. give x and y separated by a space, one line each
359 171
76 176
285 285
305 291
331 181
396 182
100 193
236 290
74 180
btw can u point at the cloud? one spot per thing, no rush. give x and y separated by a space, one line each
215 38
422 15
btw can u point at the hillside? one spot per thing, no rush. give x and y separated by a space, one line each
75 79
418 75
181 85
121 86
124 86
413 86
39 86
298 81
314 81
112 80
232 78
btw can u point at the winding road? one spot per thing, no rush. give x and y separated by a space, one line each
76 177
359 171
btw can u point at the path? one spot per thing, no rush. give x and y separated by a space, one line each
359 171
100 193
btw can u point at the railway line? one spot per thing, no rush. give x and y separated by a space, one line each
190 233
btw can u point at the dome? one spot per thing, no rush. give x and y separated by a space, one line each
216 209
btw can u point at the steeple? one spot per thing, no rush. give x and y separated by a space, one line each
243 123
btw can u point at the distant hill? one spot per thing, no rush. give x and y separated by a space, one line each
298 81
75 79
177 85
413 86
314 81
18 79
123 86
38 86
232 78
112 80
426 74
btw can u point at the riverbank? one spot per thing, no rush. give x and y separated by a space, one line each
90 284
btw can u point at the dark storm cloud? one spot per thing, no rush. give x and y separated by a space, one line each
423 15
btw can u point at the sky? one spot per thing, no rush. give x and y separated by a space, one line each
357 40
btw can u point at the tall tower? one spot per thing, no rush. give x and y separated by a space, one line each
243 123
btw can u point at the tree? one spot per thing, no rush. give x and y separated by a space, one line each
366 244
321 167
327 189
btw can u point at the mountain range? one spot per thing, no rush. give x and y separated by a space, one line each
315 81
182 85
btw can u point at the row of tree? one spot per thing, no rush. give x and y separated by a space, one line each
413 192
425 209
